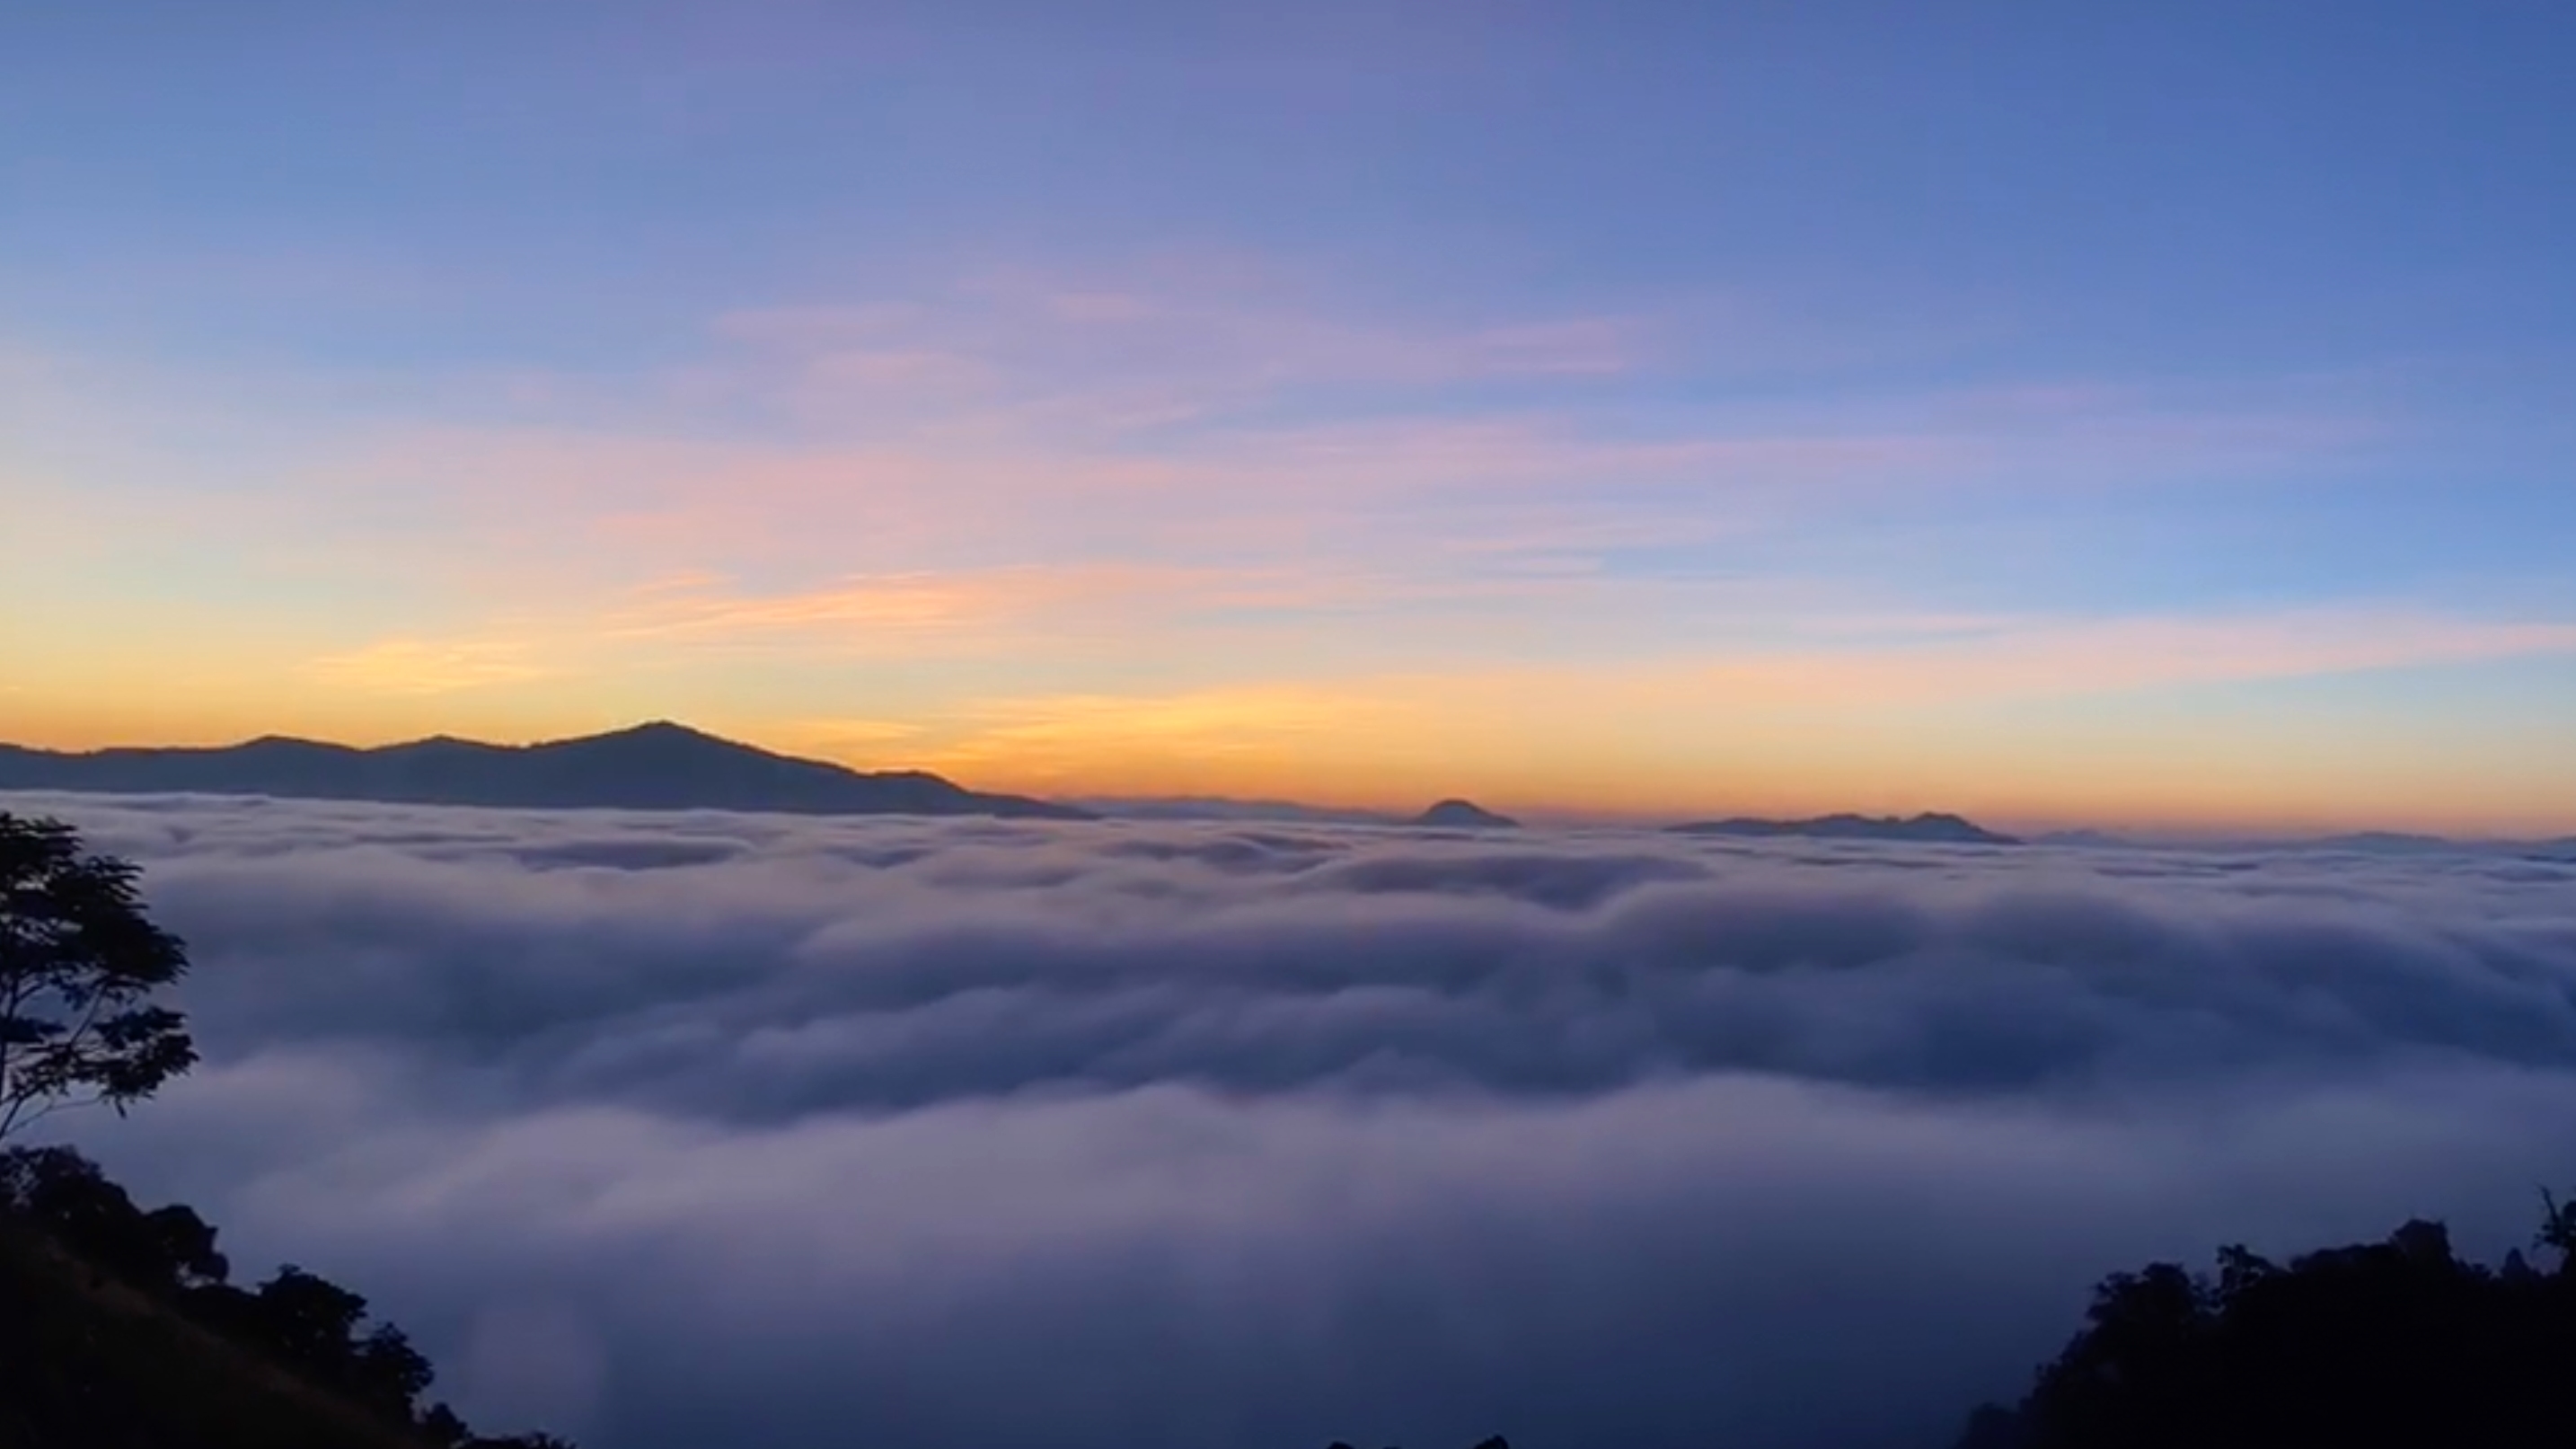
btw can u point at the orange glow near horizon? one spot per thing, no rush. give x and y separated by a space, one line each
1653 744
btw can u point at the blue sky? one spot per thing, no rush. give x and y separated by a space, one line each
1608 408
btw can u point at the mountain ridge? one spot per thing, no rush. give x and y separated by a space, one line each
658 765
1933 827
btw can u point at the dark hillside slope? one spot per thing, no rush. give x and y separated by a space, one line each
120 1328
87 1363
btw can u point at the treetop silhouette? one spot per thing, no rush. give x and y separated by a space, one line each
79 964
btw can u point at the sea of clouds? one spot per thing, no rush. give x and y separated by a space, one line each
678 1130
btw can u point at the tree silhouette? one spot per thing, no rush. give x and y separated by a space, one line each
2392 1343
79 962
164 1252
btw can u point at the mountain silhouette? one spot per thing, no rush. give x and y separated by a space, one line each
658 766
1933 828
1464 815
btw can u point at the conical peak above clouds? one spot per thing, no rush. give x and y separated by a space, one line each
1464 815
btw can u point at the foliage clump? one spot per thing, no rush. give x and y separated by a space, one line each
2397 1343
79 964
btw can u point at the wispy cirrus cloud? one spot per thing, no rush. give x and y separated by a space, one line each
1273 493
1266 728
1033 348
411 666
1043 419
1995 660
976 611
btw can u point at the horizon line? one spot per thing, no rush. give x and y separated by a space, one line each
1543 813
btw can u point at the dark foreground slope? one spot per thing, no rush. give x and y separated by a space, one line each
88 1363
119 1329
650 767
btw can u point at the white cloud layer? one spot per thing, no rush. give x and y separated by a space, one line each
678 1130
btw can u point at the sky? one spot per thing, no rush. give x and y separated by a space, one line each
2131 415
663 1131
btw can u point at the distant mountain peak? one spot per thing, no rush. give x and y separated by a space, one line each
1464 815
657 731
